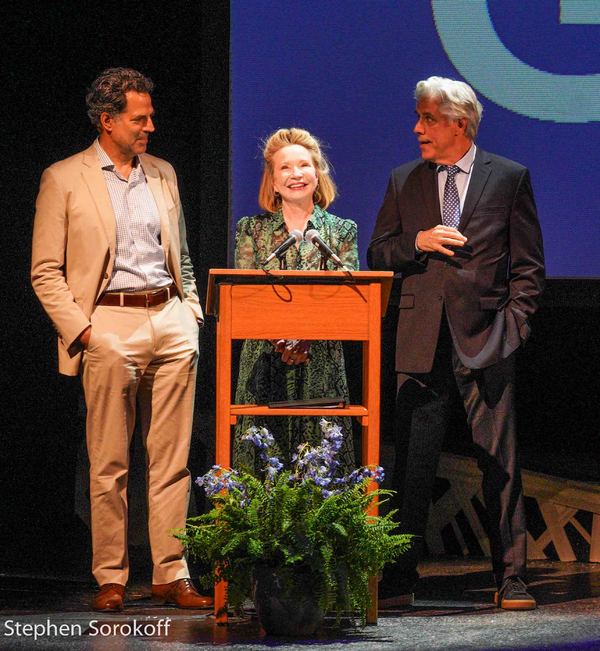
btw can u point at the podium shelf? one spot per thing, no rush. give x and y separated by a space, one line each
264 410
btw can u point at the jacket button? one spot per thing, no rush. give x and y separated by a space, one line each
106 275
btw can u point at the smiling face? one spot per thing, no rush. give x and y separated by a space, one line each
126 135
442 140
294 174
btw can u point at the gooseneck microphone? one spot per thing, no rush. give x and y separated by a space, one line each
312 237
295 237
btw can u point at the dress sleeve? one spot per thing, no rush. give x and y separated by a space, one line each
245 245
348 244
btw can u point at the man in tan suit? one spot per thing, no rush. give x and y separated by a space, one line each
111 268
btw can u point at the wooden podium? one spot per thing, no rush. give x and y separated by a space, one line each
333 305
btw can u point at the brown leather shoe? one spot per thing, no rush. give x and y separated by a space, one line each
110 597
181 593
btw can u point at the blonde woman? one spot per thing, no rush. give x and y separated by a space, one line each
295 192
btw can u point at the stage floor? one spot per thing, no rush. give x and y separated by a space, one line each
453 610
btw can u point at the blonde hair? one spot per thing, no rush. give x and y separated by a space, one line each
456 99
325 192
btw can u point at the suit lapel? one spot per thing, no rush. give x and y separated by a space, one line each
155 184
482 168
428 178
94 179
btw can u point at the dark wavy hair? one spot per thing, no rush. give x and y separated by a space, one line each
107 92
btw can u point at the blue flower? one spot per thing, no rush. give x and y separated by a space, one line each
267 437
271 473
379 474
272 468
316 465
334 436
219 479
254 435
327 493
275 463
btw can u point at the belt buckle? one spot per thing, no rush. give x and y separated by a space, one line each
166 292
156 294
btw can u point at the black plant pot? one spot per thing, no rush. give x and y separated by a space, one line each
286 601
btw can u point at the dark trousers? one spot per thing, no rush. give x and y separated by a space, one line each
423 410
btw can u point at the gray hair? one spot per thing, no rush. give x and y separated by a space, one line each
107 92
456 100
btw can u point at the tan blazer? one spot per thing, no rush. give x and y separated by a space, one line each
74 243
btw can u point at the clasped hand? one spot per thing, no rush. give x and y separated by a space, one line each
438 238
293 351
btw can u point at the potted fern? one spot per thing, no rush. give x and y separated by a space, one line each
298 542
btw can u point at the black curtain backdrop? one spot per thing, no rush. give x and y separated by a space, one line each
50 54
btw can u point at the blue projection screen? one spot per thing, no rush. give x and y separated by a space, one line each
346 71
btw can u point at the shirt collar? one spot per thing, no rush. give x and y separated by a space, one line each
465 164
107 164
103 157
315 220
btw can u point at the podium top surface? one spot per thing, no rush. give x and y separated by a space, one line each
280 275
292 277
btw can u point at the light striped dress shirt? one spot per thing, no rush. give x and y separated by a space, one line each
139 256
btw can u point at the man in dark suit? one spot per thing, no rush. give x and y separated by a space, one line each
461 227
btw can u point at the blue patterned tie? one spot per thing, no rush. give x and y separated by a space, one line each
451 207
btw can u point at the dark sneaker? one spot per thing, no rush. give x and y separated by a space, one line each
513 595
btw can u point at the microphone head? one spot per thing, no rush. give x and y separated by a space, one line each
310 235
297 235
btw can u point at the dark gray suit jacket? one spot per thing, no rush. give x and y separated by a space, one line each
489 289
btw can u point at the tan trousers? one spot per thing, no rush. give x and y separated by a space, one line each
146 356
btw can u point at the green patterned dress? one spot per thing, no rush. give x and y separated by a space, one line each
263 377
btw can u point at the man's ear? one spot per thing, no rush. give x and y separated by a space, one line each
462 124
106 121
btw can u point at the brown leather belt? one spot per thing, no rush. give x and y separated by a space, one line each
140 299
